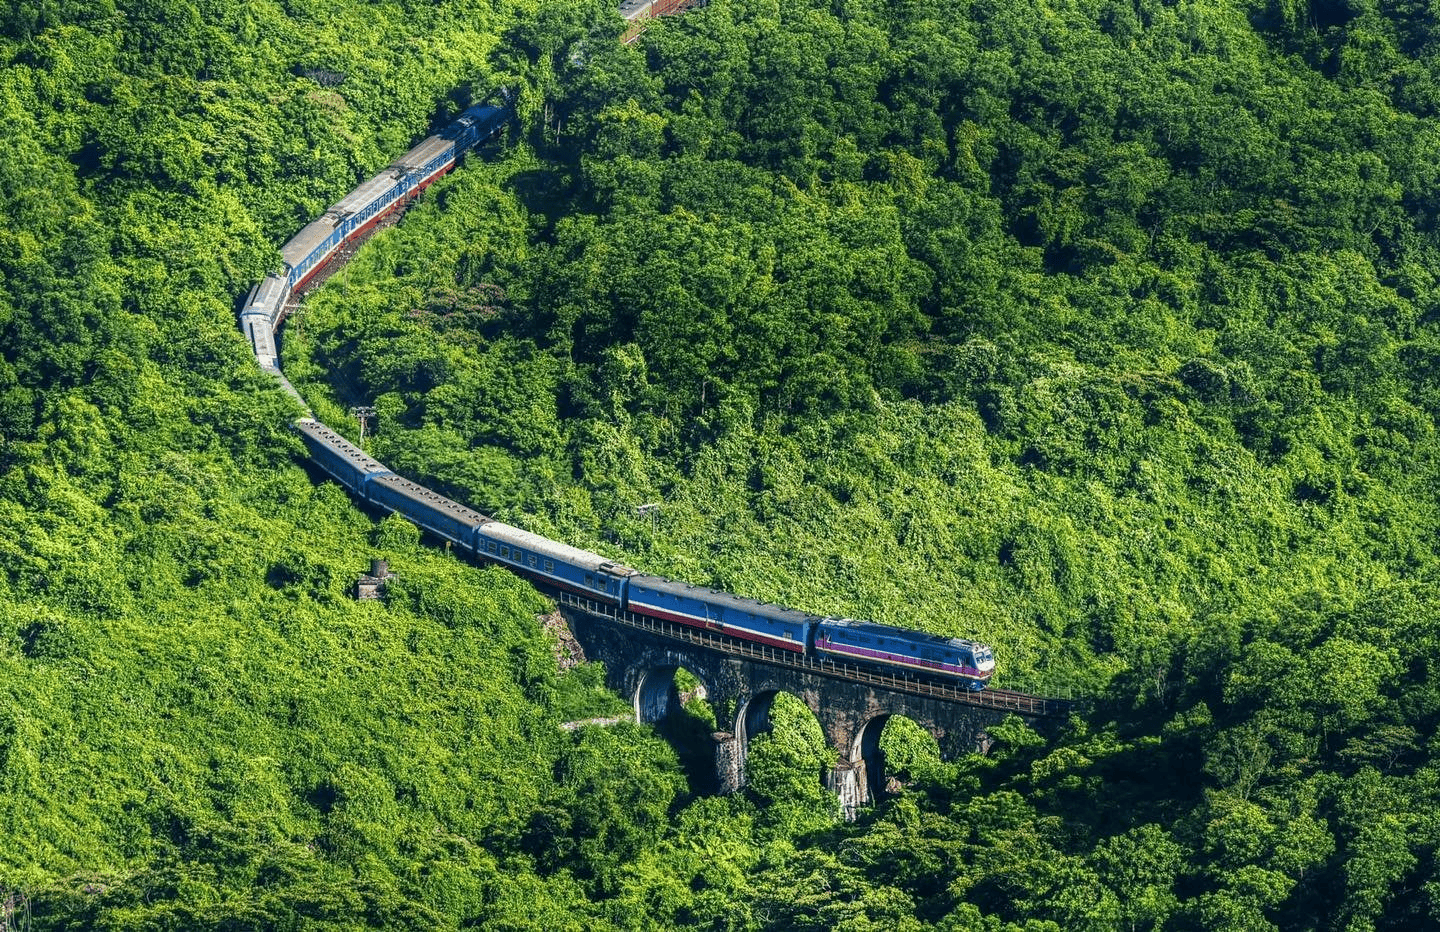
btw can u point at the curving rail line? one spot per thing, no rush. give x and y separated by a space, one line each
327 243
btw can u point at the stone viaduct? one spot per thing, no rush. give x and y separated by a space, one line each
641 664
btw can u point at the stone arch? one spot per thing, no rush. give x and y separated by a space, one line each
655 697
866 750
753 716
659 702
752 710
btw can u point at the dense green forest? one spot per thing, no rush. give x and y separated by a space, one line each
1105 331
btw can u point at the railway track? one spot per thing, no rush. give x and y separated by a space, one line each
324 246
998 699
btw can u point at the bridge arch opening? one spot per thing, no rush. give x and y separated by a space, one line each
786 753
676 702
670 690
753 718
895 751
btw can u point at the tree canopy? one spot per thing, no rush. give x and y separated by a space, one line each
1103 332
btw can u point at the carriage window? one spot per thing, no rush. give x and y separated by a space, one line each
490 546
504 551
531 560
549 566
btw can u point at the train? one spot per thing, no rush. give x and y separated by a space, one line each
546 562
353 217
553 564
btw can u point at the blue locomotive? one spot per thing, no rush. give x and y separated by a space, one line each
548 562
842 639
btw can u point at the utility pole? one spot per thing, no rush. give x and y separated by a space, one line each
363 414
653 510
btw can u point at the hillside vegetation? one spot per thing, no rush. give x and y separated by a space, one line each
1104 332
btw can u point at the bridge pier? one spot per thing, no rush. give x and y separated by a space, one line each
640 664
729 763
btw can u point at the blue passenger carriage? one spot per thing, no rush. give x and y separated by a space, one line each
351 466
734 615
430 510
361 209
552 562
261 315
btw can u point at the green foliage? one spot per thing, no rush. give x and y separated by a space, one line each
1103 333
909 751
612 792
783 767
581 694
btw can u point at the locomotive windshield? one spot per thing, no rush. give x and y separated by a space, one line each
984 659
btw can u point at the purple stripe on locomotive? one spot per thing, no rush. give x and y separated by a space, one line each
837 649
883 645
